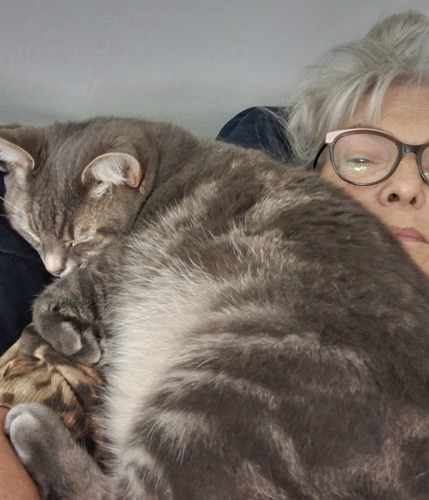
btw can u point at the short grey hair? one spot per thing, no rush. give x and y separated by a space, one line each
396 50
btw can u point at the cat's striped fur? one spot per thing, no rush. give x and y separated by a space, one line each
263 336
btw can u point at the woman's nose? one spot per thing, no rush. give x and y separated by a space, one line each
405 186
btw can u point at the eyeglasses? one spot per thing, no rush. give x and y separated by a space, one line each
364 156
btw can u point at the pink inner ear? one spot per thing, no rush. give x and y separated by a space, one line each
114 168
14 156
132 174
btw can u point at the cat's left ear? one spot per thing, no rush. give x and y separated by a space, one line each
113 169
13 157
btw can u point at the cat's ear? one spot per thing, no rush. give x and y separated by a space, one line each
13 157
113 169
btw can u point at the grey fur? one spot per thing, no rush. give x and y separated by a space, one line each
263 336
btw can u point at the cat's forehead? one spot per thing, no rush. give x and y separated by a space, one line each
73 143
72 146
66 221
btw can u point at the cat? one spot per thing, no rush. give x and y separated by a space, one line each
262 335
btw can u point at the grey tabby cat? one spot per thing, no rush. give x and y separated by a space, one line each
263 336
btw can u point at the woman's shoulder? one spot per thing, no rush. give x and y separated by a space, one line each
260 127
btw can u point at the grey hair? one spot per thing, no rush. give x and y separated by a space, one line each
396 50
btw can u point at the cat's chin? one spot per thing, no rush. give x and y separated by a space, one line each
71 266
66 272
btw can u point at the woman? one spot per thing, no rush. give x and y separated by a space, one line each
398 191
380 82
361 121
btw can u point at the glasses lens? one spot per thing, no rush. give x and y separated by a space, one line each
365 158
425 163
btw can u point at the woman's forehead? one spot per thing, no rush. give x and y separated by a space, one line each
404 113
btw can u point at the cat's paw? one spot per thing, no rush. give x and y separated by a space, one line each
60 467
62 325
38 437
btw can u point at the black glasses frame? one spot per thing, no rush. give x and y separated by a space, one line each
331 139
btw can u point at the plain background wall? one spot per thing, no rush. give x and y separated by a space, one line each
193 62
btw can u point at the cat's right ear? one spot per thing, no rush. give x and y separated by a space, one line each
13 157
113 169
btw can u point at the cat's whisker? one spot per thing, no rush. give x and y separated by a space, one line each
12 205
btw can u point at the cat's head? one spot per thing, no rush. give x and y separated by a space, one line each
72 189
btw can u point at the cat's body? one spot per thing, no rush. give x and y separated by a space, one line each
263 336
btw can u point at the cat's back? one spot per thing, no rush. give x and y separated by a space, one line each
270 342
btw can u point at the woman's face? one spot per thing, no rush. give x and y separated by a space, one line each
402 200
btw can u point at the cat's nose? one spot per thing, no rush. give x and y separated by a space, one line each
55 264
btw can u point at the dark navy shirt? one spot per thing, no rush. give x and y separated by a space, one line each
22 277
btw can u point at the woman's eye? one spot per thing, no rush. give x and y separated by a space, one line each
358 163
361 163
359 160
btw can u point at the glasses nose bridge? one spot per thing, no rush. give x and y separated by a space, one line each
410 148
417 150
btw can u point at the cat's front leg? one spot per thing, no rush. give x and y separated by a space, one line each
59 466
66 315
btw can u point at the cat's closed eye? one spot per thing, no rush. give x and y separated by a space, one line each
79 249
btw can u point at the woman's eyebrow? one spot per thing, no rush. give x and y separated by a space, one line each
364 125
